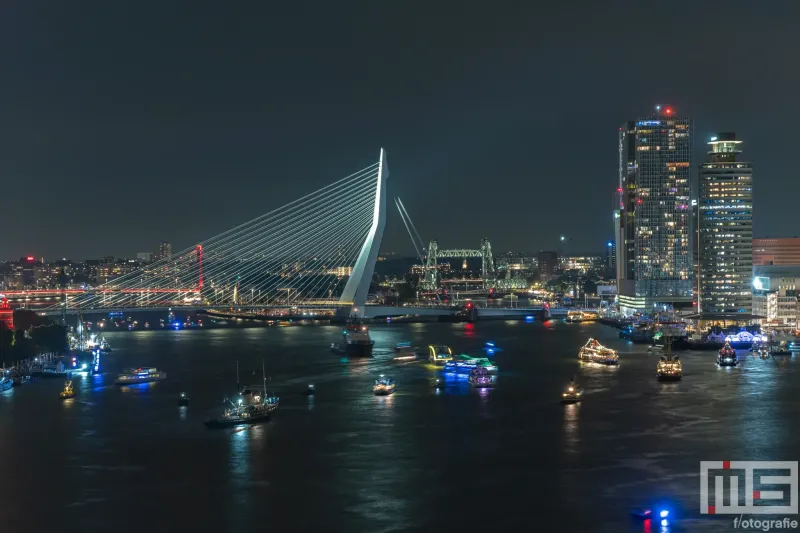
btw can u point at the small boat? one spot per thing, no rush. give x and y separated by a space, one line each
669 368
383 386
439 354
481 378
252 406
574 316
439 384
311 390
5 382
132 376
405 352
763 353
727 356
572 393
464 364
594 352
68 391
183 400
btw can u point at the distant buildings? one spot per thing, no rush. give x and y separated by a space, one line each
783 251
775 291
164 250
725 217
144 257
654 256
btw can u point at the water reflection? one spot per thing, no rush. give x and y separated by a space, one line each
571 421
183 412
138 387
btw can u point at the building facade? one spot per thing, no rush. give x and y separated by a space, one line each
654 254
548 264
164 250
784 251
725 218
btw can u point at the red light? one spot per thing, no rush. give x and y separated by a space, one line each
639 201
619 189
30 258
668 110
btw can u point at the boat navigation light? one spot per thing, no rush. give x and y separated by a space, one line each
664 514
571 389
490 344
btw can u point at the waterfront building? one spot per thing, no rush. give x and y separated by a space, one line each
725 217
654 254
780 251
775 292
6 314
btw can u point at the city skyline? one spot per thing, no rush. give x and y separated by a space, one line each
197 153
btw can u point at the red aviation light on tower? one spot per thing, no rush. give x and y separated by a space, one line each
668 111
30 258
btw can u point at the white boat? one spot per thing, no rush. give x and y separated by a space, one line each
594 352
131 376
383 386
669 368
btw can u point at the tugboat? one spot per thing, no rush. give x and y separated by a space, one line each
481 378
131 376
383 386
572 393
68 391
251 407
439 354
356 341
594 352
183 401
669 368
727 356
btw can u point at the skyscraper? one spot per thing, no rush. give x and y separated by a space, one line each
164 250
611 259
654 256
726 229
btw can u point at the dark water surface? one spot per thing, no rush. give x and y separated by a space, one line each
511 459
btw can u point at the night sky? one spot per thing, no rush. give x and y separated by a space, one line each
127 123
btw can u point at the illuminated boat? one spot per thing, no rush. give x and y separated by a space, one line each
594 352
252 406
68 391
405 352
727 356
5 381
439 354
574 316
481 378
383 386
572 393
356 341
132 376
669 368
464 364
183 400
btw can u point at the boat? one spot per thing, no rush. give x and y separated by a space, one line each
183 400
383 386
637 333
594 352
131 376
68 391
439 354
405 352
5 381
252 406
439 384
727 356
481 378
763 353
669 368
572 393
464 364
311 390
574 316
53 370
356 341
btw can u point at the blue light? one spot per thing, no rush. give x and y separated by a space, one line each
664 523
664 514
490 344
609 244
649 123
490 350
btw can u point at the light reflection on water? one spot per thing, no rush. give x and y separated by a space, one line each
571 430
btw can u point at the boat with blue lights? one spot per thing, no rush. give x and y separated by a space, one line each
594 352
356 341
132 376
439 354
251 406
481 378
5 382
727 356
383 386
464 364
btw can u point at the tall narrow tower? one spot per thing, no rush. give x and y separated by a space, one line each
726 228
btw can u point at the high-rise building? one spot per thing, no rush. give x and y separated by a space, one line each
611 259
548 263
725 217
164 250
654 254
783 251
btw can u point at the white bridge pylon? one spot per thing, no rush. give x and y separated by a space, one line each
321 247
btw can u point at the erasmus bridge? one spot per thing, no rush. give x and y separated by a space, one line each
315 253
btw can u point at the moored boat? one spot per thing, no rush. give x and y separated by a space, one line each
594 352
132 376
5 382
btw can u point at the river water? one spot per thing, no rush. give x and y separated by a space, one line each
510 459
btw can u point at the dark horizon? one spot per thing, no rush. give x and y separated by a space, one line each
128 124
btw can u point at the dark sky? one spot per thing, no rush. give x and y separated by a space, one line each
126 123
